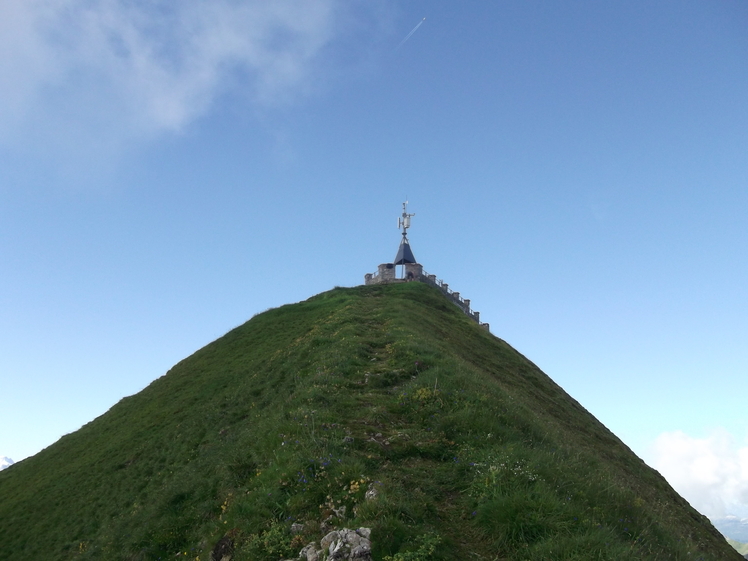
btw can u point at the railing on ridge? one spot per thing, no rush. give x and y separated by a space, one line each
462 303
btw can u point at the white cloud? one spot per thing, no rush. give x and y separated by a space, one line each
711 473
155 65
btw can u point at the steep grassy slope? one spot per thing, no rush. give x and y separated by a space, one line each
465 446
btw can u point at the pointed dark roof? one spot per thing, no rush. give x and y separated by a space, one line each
404 254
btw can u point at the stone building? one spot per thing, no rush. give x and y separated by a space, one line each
411 270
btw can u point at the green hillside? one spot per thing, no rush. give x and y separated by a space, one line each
385 400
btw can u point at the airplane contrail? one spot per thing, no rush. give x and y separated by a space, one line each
412 31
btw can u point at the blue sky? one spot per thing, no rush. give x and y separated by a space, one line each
578 170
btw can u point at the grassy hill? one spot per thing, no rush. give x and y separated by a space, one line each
385 400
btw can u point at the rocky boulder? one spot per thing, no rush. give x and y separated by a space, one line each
340 545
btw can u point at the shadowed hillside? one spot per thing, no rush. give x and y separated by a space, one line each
385 400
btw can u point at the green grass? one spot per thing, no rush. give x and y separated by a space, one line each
471 450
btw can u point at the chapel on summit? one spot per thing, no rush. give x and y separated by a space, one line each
411 270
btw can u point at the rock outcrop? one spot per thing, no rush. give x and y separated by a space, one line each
340 545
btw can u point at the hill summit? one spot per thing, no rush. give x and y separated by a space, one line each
378 415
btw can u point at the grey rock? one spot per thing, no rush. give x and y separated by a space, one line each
361 552
350 538
310 552
346 544
326 525
371 492
329 538
338 551
223 550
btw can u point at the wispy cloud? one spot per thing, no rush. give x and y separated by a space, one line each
711 473
152 66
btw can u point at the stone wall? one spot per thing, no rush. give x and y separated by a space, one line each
385 274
